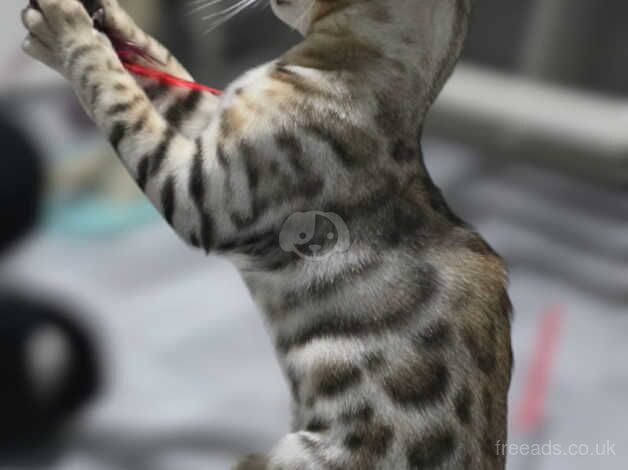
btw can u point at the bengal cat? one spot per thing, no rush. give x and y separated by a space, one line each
390 315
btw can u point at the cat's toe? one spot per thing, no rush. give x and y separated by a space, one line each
65 16
33 20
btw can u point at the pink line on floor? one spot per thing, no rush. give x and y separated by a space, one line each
530 411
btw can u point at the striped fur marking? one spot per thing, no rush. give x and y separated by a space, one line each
168 199
432 451
330 325
333 379
183 108
419 384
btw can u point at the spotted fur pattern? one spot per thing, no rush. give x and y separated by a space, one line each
397 349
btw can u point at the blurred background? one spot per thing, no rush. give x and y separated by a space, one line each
120 349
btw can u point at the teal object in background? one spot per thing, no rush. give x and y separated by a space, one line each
94 216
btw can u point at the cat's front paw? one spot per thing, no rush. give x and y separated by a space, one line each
39 41
59 31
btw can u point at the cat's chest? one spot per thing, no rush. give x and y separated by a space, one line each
252 81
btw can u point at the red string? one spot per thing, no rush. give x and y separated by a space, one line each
167 78
529 415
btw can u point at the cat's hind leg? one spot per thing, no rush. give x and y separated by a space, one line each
298 451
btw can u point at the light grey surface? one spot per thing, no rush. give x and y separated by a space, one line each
578 132
191 372
192 376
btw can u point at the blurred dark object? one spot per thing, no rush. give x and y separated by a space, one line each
49 370
21 185
264 40
177 33
497 43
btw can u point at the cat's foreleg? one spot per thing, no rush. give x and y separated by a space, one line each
169 167
188 111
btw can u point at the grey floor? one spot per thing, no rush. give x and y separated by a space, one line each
192 376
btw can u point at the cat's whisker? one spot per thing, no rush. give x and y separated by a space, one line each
228 13
201 5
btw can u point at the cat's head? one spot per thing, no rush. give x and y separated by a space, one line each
427 33
301 14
